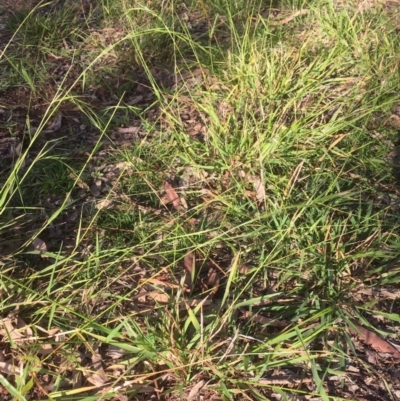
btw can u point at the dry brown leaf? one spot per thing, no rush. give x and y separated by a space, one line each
279 380
266 321
16 151
395 120
45 349
53 125
77 379
243 269
258 186
378 292
213 280
95 189
172 195
22 333
373 340
260 189
156 296
126 167
184 203
10 331
99 378
289 18
161 283
183 303
59 338
9 369
97 360
22 325
194 392
128 130
78 181
189 263
39 245
159 297
134 100
115 352
365 5
104 204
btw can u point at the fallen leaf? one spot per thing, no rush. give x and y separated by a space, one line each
99 378
60 337
45 349
77 379
260 189
194 392
156 296
17 150
365 5
135 100
184 203
159 297
126 167
189 263
22 325
241 174
9 369
288 380
243 269
157 282
39 245
172 195
10 331
265 321
289 19
78 181
104 204
373 340
212 282
53 125
96 379
95 189
115 352
23 333
128 130
379 292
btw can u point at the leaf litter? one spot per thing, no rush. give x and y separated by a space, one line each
172 196
372 339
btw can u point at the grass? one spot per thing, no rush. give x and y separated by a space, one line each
274 125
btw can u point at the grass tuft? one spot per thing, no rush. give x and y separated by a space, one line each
198 199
